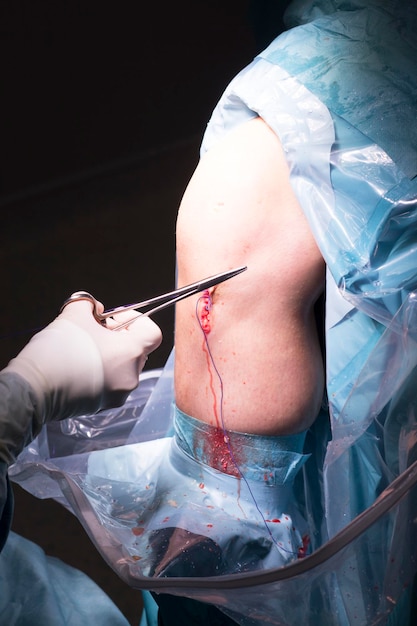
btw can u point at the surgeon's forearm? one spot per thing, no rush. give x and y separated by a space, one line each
20 421
19 424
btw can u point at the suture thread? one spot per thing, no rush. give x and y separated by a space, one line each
207 308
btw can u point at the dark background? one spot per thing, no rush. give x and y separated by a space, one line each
103 110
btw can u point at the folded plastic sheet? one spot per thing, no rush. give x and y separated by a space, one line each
360 575
357 491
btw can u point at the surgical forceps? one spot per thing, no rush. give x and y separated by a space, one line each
158 303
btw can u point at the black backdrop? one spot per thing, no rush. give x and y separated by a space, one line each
103 109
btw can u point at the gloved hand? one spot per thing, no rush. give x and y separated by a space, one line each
77 366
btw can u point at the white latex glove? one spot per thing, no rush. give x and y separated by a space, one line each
77 366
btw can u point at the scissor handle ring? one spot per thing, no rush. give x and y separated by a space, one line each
84 295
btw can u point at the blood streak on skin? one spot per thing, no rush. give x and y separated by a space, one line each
211 384
204 317
217 449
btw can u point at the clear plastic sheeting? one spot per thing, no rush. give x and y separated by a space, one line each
360 576
357 491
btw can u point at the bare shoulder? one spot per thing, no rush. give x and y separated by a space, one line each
239 208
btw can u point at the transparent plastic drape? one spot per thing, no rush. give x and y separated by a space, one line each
361 575
358 488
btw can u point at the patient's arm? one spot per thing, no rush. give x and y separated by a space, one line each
239 209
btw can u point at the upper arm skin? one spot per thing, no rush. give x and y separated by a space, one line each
239 209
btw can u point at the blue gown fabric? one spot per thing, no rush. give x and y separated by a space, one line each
340 90
39 589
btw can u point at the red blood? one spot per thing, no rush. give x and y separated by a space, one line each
303 550
205 312
218 455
